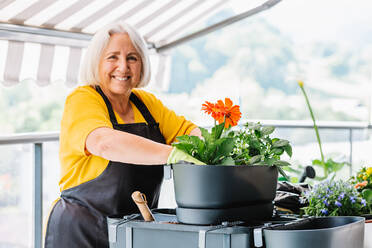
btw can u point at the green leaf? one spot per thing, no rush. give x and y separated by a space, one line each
281 163
231 134
294 180
317 162
270 161
210 151
268 141
261 163
183 138
217 130
288 150
274 140
267 130
225 146
281 171
334 212
254 144
255 159
258 133
278 151
192 145
290 169
195 139
280 143
206 135
201 147
188 148
220 149
228 161
367 195
334 166
253 125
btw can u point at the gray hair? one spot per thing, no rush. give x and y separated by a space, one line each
89 69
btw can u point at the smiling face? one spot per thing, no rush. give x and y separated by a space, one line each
120 66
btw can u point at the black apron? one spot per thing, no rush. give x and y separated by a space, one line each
78 219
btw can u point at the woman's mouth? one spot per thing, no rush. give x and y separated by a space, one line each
122 78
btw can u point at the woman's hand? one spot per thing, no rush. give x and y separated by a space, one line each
125 147
178 155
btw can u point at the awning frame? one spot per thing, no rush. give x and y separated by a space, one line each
53 36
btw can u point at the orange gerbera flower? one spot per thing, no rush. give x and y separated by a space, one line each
223 112
211 109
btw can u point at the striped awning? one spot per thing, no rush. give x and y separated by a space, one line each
44 40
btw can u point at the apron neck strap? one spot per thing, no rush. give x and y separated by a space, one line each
142 108
133 98
108 105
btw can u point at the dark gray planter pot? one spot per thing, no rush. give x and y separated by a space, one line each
209 194
321 232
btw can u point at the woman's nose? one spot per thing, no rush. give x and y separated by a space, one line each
122 65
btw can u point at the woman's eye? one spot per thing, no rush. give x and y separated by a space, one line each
132 58
112 57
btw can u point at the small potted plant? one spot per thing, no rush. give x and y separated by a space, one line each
338 198
335 198
239 179
363 184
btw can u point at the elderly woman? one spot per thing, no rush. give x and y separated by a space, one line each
114 140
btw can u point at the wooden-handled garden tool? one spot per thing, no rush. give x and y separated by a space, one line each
141 202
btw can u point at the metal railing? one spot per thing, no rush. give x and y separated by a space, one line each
348 126
37 139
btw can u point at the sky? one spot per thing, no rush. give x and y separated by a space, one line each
343 21
272 50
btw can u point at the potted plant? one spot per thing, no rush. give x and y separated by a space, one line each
335 198
239 179
338 198
363 184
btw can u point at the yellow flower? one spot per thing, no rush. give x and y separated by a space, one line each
365 177
300 83
369 171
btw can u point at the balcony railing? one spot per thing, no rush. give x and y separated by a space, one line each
37 139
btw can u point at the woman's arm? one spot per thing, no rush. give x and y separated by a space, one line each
125 147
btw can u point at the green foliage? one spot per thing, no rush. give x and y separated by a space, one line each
28 124
254 146
250 146
335 198
212 149
27 107
367 195
330 167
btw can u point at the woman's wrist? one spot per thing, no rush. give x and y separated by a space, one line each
167 151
